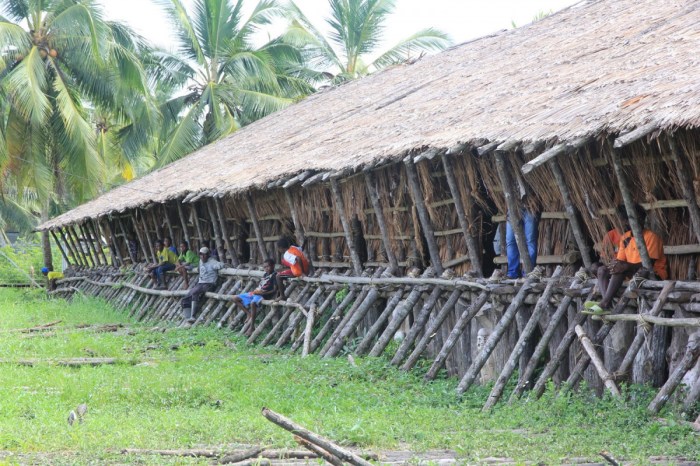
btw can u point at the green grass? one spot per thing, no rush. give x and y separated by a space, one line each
209 392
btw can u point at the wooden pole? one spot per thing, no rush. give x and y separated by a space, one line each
494 338
417 327
423 216
224 231
571 213
147 237
373 193
682 171
316 439
60 247
465 220
92 248
171 232
134 259
637 229
215 228
687 363
320 452
256 226
525 334
197 225
376 327
111 243
514 212
73 252
597 362
157 227
115 243
97 232
78 247
465 317
183 222
299 232
349 239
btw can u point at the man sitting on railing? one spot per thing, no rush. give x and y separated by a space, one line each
166 262
628 262
247 302
186 261
51 277
295 262
208 275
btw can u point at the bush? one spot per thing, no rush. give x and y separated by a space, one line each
27 254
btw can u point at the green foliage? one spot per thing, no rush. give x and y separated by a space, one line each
204 387
27 254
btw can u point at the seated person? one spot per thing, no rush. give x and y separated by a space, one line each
208 275
607 247
295 262
247 302
166 262
168 242
51 276
211 245
186 261
628 262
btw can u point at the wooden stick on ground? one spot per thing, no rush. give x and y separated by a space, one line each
239 456
597 362
335 461
316 439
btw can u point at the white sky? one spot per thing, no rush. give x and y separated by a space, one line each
462 19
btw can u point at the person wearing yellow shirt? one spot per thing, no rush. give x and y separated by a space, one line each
166 262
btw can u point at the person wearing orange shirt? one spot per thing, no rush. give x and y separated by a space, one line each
295 262
628 261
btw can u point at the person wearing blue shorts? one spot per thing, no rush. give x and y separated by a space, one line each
247 302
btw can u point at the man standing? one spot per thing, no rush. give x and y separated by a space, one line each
208 274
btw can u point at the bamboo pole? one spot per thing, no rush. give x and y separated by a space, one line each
576 227
97 232
367 340
417 327
351 325
215 228
126 241
597 362
373 193
78 247
682 171
465 220
115 243
298 227
465 317
183 222
60 247
689 358
423 216
91 247
432 329
335 316
494 338
147 237
301 339
73 252
197 224
637 229
649 319
514 212
256 226
349 239
639 338
224 231
523 339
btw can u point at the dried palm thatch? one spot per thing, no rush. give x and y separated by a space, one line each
599 67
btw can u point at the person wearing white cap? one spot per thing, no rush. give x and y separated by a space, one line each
208 274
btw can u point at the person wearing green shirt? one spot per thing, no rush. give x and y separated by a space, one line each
186 261
166 262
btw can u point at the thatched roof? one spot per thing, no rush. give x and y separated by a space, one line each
597 67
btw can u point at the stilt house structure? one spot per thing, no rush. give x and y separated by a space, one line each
395 185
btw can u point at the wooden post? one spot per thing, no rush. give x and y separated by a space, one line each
682 171
417 327
60 248
256 226
115 243
97 232
215 228
134 259
494 338
349 239
147 237
367 340
423 216
171 232
514 212
687 363
92 247
183 222
597 362
637 229
73 252
224 232
571 213
373 194
97 226
78 247
465 220
197 225
298 227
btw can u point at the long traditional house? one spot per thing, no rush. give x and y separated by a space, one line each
395 185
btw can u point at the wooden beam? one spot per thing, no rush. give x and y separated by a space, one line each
215 228
349 239
256 226
195 221
551 153
134 259
682 171
115 244
423 216
73 252
233 254
97 230
171 232
373 193
148 242
571 213
70 229
183 222
635 135
597 362
91 247
465 220
298 227
60 247
514 211
626 191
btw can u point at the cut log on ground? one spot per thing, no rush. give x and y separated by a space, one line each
334 460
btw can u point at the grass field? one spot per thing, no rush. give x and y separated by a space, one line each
203 387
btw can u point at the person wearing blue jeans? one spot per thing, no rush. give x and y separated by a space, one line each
530 223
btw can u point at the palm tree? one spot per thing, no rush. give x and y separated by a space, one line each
225 81
66 65
356 32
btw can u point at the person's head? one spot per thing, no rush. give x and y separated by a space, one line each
639 212
269 266
167 241
184 246
159 245
283 244
204 254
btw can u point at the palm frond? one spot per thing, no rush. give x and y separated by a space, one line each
26 86
184 139
17 10
181 21
427 40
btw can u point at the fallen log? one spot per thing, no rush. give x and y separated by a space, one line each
316 439
193 453
238 456
73 362
334 460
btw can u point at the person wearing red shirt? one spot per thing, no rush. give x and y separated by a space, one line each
295 262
